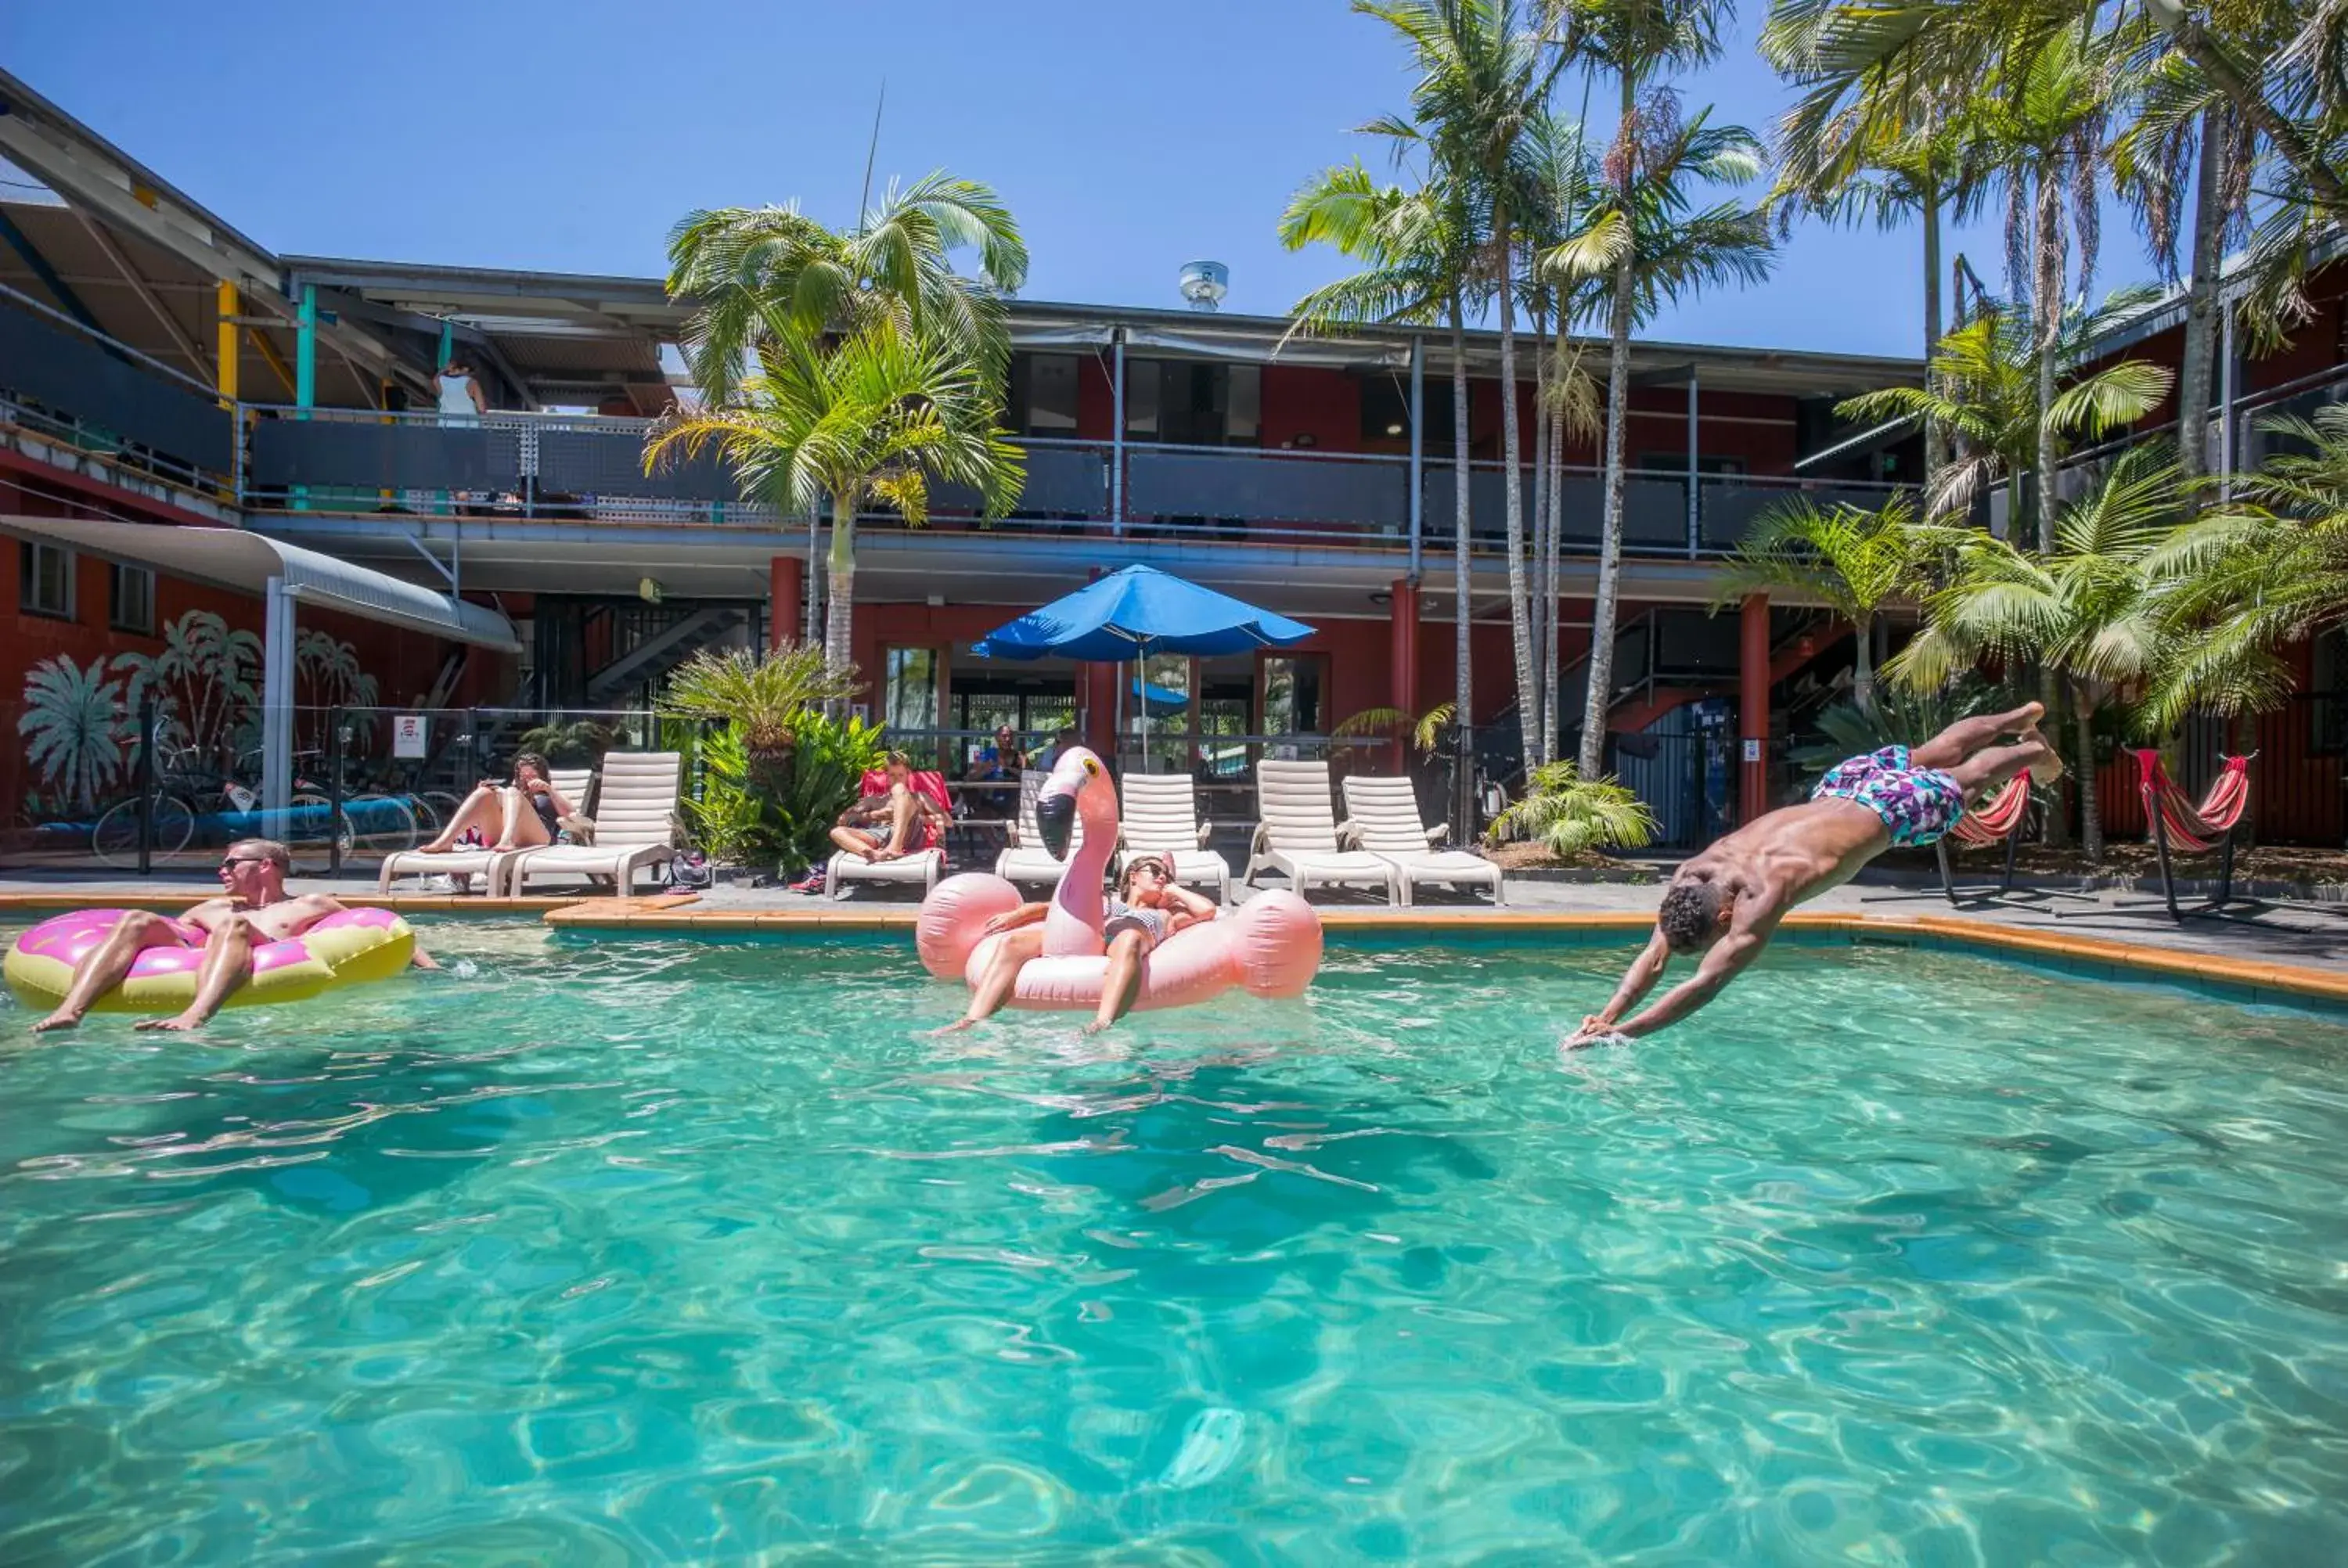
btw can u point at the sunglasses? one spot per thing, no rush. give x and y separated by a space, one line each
1152 867
243 860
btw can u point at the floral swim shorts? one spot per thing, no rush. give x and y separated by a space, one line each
1918 805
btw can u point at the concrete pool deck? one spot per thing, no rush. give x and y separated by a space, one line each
2278 951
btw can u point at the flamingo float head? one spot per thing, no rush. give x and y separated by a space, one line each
1079 785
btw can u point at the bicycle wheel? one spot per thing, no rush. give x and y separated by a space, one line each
310 820
114 839
378 825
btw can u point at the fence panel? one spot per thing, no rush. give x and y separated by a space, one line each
393 455
79 382
1263 487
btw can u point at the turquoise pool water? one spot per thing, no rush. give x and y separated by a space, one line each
689 1251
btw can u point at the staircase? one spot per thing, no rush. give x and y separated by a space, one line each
648 643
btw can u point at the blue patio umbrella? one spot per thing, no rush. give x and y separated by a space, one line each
1157 696
1135 612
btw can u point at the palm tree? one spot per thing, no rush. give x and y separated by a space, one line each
770 697
73 728
2099 610
1650 247
875 418
760 277
2266 568
1860 562
1416 246
1482 80
1985 387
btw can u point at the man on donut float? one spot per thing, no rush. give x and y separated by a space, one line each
1725 903
255 910
1148 907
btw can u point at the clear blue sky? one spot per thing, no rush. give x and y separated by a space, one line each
1126 137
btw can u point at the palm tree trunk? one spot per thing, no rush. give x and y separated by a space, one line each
1544 669
1862 675
2199 355
839 630
1513 484
1551 605
2091 826
1936 438
1463 692
1597 700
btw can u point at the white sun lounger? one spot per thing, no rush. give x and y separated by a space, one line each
571 783
635 815
1298 835
1024 858
1158 814
922 866
1383 814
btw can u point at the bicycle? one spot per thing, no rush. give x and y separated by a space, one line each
183 779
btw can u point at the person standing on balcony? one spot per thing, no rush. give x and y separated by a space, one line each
459 391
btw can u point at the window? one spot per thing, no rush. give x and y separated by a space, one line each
46 574
910 699
1292 689
1043 394
1385 411
1185 404
130 599
1157 696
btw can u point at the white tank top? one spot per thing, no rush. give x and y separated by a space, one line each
457 394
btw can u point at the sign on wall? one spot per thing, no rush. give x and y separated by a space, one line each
407 736
1751 751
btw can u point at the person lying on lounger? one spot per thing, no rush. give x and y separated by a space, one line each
1725 903
1150 907
256 909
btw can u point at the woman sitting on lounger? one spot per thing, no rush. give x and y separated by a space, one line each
522 814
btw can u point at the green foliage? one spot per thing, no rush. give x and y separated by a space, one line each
739 820
1572 815
770 695
578 745
1899 718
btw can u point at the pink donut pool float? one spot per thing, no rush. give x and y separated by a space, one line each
344 949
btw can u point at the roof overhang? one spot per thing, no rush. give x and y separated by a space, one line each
244 562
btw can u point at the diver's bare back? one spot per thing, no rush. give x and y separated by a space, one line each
1797 852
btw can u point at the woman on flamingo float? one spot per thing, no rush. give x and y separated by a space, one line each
1148 907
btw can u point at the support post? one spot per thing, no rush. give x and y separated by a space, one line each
1116 436
147 719
1695 484
1403 663
1418 467
783 590
335 791
225 345
277 707
306 376
1752 706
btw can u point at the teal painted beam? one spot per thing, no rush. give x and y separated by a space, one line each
305 351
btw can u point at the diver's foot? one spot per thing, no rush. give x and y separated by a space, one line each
2045 773
178 1025
57 1019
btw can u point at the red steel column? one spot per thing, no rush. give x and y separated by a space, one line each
1100 702
1402 658
1753 708
786 596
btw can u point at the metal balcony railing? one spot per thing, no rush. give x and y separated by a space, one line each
73 385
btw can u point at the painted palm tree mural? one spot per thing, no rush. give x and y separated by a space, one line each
80 722
73 730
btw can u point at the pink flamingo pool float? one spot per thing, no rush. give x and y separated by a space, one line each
1268 947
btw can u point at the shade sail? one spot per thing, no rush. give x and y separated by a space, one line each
1139 609
243 561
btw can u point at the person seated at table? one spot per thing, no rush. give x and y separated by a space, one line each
1001 761
890 824
522 814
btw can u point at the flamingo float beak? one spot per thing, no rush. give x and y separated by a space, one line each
1055 821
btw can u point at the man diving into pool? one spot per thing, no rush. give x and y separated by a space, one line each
1725 903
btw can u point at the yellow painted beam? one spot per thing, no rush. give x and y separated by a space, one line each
275 360
225 362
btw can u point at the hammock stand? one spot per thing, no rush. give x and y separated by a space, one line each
1999 818
2194 829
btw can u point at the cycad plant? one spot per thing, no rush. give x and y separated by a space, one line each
768 699
1572 815
876 418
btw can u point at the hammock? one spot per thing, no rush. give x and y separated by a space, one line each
2172 817
2171 814
1997 820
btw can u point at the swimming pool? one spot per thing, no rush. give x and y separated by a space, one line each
695 1250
